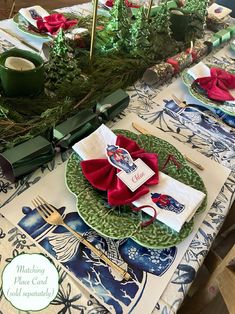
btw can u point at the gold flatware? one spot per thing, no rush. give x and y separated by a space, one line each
144 131
50 214
21 40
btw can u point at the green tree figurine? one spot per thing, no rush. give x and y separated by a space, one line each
140 44
161 21
116 33
198 11
60 47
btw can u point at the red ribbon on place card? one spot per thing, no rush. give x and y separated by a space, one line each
103 176
218 84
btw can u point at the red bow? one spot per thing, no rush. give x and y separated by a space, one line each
102 175
52 23
110 3
217 84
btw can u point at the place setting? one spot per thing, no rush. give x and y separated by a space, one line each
131 246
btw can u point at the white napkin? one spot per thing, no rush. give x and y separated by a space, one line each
199 70
94 146
25 12
184 201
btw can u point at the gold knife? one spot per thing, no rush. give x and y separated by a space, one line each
144 131
21 40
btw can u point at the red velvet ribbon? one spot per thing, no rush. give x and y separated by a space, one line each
147 222
53 22
102 175
218 84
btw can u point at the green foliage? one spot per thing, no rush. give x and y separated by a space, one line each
70 79
197 10
161 21
196 6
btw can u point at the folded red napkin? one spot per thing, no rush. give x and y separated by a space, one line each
218 84
53 22
102 175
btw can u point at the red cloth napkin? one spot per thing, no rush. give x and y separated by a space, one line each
110 3
218 84
102 175
53 22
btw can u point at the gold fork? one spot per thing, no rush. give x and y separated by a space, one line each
50 214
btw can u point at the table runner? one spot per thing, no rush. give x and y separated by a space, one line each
188 127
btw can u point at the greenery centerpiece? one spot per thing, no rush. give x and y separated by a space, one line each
125 47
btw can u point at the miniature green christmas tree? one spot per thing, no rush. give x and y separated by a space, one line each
140 44
62 66
197 10
161 21
60 48
197 6
116 33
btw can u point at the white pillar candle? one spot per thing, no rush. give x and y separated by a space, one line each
19 64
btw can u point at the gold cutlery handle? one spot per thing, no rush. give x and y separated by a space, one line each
193 162
99 253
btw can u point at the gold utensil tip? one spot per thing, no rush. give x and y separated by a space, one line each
144 131
51 215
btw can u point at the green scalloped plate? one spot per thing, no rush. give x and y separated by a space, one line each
24 26
206 102
121 222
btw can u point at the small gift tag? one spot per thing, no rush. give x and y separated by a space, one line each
133 174
218 10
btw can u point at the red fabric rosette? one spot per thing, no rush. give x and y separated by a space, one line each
218 84
110 3
102 175
53 22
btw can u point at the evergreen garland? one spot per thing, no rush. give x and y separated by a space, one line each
125 50
198 11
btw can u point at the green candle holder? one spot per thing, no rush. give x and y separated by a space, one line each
15 83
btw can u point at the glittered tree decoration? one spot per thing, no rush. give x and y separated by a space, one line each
161 21
116 33
198 10
197 6
60 47
140 44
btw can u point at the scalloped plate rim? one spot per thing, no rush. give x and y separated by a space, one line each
42 36
121 237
